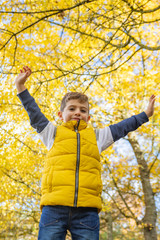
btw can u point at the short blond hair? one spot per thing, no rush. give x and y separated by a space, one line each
73 95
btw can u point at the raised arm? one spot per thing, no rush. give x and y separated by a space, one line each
122 128
37 118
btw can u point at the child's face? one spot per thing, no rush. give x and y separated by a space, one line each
75 110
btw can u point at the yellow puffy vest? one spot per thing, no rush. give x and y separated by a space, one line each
72 171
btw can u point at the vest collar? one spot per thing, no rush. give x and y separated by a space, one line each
74 124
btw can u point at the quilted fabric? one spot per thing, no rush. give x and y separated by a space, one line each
59 175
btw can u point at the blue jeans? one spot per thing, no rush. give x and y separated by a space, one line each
83 223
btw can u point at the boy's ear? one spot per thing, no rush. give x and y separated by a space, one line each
89 118
60 115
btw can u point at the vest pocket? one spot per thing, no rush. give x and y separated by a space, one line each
50 179
99 183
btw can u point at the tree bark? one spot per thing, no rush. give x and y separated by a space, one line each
109 226
150 217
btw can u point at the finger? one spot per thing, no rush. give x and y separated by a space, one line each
24 68
152 100
152 97
28 69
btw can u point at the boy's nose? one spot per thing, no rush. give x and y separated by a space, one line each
77 112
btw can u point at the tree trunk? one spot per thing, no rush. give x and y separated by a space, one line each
150 217
109 226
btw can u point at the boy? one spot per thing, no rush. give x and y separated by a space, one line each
71 181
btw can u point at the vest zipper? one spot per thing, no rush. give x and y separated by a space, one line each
77 166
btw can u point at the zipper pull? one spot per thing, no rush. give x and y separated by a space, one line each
76 127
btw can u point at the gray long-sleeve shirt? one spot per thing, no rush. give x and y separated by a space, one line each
46 130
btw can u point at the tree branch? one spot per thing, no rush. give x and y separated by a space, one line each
6 172
120 194
57 11
41 19
154 161
34 151
141 8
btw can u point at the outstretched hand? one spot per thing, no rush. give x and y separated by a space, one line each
23 75
22 78
150 109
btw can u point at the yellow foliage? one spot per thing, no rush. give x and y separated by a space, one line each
106 49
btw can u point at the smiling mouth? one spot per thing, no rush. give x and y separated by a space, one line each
77 119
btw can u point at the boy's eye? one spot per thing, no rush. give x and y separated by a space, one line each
71 109
83 110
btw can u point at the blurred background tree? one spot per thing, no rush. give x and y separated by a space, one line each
108 50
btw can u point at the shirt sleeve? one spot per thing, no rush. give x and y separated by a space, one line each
105 138
122 128
37 118
45 129
109 135
47 135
